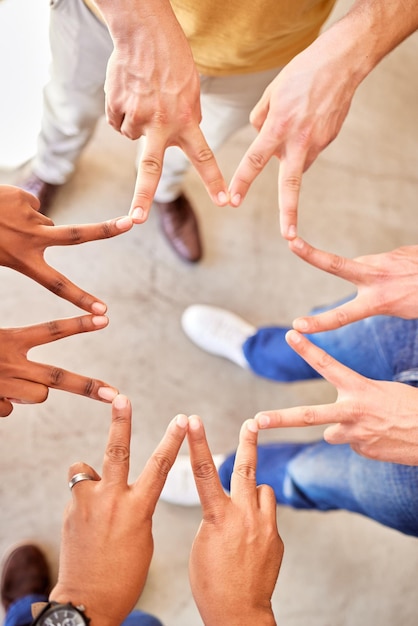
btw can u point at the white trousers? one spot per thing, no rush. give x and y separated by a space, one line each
74 99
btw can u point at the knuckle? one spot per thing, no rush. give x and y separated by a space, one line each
293 182
204 470
75 234
90 388
107 230
162 464
257 161
83 323
325 361
58 286
337 263
151 165
309 415
342 317
56 376
204 155
246 471
53 328
117 453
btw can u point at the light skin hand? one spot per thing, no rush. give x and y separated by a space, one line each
153 89
387 284
237 552
25 234
27 382
107 542
303 109
378 419
299 114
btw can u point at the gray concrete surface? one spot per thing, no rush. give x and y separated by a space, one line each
359 197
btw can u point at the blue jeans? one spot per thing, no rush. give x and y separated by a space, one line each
380 347
322 476
19 614
326 477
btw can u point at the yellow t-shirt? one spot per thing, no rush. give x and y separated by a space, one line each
238 36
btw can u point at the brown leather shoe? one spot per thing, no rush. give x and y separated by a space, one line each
25 571
179 225
45 192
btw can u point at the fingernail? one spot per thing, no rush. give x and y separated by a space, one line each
297 242
263 420
252 426
235 200
100 320
107 393
300 324
181 420
194 422
120 401
98 307
291 232
138 214
293 335
123 223
222 197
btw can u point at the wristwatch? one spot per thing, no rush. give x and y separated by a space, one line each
56 614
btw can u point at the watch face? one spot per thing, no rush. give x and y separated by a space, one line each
62 616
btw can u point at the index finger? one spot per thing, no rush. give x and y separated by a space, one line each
329 262
211 493
148 176
116 459
59 284
292 165
150 483
40 334
69 235
252 163
202 158
352 311
243 479
332 370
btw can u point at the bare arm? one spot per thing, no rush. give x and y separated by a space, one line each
303 109
153 89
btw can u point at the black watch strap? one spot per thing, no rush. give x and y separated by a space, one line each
39 608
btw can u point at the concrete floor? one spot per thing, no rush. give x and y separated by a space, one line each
358 198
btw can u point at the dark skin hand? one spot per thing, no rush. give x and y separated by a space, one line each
25 234
24 381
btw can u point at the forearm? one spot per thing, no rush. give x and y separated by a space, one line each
123 17
239 617
373 28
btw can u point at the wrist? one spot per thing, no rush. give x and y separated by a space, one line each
78 599
373 29
241 616
125 17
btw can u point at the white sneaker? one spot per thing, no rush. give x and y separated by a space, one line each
217 331
180 487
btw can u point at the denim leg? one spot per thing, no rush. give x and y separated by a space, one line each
379 347
19 613
324 477
139 618
336 477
